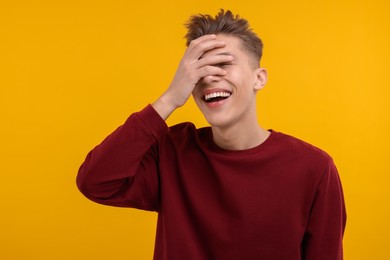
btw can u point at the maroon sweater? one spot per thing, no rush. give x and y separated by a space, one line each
281 200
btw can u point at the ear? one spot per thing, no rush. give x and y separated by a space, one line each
261 78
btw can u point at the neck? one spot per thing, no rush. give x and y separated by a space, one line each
238 137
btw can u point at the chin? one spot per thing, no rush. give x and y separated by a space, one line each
215 117
217 121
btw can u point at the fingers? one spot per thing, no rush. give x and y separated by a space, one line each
201 45
213 60
207 71
196 65
203 64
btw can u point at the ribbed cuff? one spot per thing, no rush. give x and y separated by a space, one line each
152 121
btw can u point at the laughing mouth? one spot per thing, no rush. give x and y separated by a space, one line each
216 96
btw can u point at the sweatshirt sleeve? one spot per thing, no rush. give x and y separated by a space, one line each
325 229
122 170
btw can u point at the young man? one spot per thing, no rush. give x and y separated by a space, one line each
231 191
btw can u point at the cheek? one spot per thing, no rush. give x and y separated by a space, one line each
197 96
231 74
236 78
196 89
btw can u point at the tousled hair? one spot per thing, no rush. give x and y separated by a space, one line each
225 23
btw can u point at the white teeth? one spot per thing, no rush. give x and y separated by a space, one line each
216 94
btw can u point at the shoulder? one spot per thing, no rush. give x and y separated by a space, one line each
301 150
187 132
182 129
296 143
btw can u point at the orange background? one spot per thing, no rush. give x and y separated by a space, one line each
72 71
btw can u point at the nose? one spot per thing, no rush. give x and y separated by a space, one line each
211 79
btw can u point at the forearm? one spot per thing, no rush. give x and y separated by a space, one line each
324 232
107 172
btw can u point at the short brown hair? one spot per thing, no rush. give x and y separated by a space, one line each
225 23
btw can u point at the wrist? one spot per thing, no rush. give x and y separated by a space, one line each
164 106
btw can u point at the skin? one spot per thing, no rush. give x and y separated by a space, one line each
219 63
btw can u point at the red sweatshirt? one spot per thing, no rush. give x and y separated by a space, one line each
281 200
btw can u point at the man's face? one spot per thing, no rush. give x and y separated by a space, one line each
230 99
